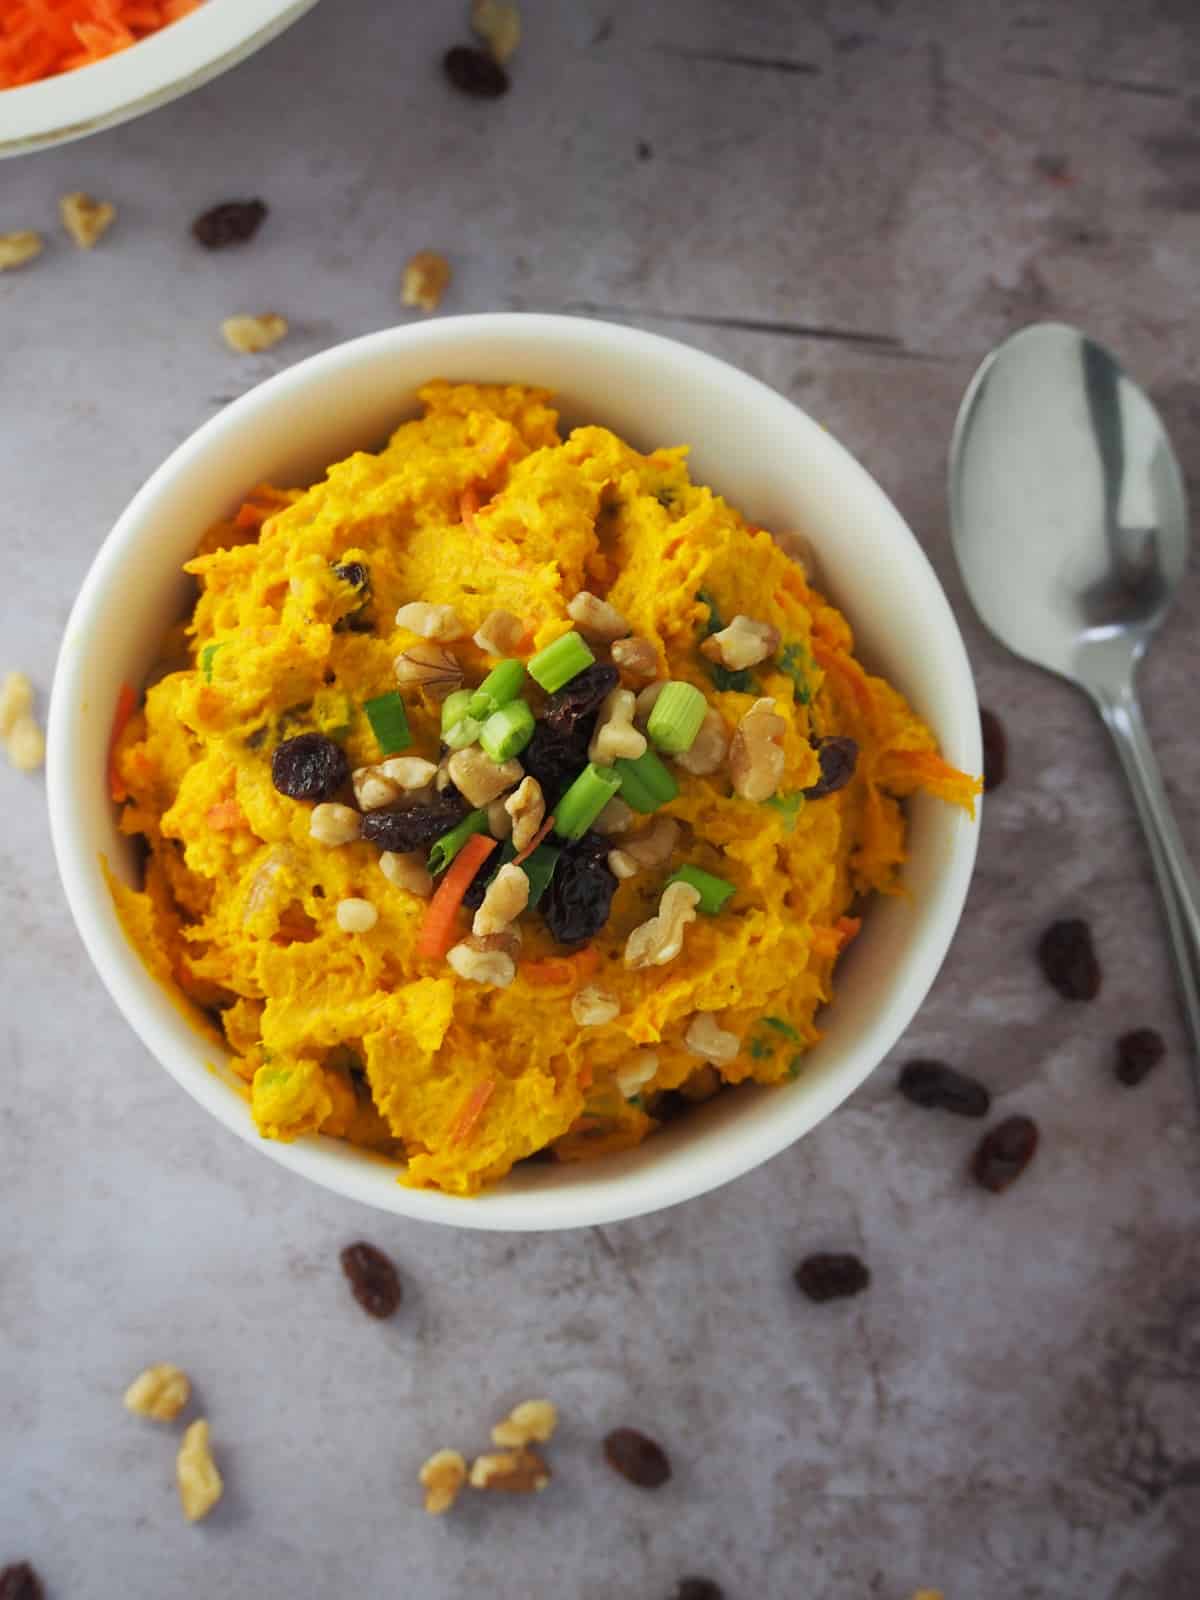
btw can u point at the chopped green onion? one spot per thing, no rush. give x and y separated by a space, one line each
714 891
559 662
714 623
676 718
539 869
447 847
388 722
795 1066
206 658
725 680
794 662
780 1026
502 684
507 731
462 734
454 708
584 801
645 783
788 806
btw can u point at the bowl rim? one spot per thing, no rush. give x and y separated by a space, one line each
121 968
158 69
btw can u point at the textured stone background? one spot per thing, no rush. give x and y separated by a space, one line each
853 201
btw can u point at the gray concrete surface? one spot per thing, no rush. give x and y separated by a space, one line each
853 202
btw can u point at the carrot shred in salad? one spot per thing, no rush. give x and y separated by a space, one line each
39 38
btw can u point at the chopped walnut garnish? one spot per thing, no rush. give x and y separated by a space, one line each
532 1422
85 219
442 1477
479 779
637 657
592 1007
705 1037
384 783
426 279
507 896
650 848
429 667
493 967
617 817
331 823
18 248
636 1073
16 701
756 758
615 737
500 633
744 643
527 809
26 744
196 1474
498 24
248 335
431 622
709 749
517 1471
660 939
407 870
160 1393
500 824
596 619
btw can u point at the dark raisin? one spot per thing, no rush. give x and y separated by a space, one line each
669 1106
582 697
373 1279
1138 1053
942 1088
579 896
355 573
233 222
1068 959
828 1276
20 1582
358 576
555 760
474 72
995 750
645 151
477 888
309 767
1004 1152
839 758
698 1589
637 1458
414 827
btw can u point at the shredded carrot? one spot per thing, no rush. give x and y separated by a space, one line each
847 928
534 842
437 929
851 674
468 505
126 706
563 969
226 814
473 1106
39 38
585 1077
259 504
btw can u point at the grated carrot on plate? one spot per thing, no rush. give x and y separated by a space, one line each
39 38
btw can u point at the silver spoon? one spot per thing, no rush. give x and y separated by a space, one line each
1070 523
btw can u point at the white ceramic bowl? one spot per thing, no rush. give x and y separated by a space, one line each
778 465
178 58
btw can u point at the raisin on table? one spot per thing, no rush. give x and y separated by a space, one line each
995 750
839 759
414 827
1138 1053
1004 1152
475 73
579 896
936 1086
1068 958
373 1279
232 222
637 1458
20 1582
698 1589
309 767
831 1276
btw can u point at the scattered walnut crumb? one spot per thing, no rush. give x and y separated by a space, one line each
442 1477
160 1393
196 1475
18 248
660 940
517 1471
532 1422
16 701
499 26
426 279
24 742
592 1007
248 335
85 219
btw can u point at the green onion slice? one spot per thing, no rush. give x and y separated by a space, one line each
388 722
676 718
584 801
507 731
645 783
559 662
447 847
713 891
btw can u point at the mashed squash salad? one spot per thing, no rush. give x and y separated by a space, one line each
504 793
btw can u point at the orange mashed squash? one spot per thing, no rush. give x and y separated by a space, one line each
481 505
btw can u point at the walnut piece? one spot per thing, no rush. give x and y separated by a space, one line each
426 279
18 248
615 737
481 780
493 967
431 622
196 1474
331 823
85 219
596 619
355 915
527 810
637 657
500 633
442 1477
705 1037
507 896
428 667
407 870
636 1073
756 758
592 1007
660 940
516 1471
26 745
709 749
160 1393
617 817
248 335
498 24
16 701
650 848
500 824
384 783
744 643
532 1422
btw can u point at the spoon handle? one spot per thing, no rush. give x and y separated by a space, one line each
1177 882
